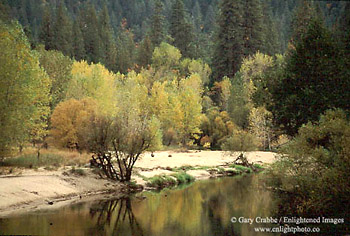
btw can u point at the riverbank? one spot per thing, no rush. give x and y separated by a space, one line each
199 164
28 190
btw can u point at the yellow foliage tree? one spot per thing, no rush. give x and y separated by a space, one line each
260 123
93 81
67 119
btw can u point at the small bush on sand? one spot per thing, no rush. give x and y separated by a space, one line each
242 168
161 181
183 178
78 171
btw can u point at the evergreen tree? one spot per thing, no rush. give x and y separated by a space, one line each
228 50
78 49
157 24
63 31
145 51
47 30
108 45
312 82
301 19
126 48
210 19
181 30
253 30
271 37
4 12
344 29
197 17
90 30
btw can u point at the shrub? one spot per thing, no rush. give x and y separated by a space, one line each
258 166
315 169
242 168
161 181
78 171
183 178
240 140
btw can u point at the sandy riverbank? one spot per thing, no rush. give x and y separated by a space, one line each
33 190
163 161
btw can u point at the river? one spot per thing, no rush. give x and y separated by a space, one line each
204 208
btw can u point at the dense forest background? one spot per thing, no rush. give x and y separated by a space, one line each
128 24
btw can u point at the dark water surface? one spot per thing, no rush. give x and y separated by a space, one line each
203 208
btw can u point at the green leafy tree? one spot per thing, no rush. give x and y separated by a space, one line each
166 56
220 93
239 103
192 66
314 169
216 126
132 129
58 67
92 81
240 141
24 95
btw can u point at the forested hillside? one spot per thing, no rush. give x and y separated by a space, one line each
128 25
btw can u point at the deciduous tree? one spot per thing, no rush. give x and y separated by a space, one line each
24 90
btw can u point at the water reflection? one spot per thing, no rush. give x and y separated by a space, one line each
114 218
204 208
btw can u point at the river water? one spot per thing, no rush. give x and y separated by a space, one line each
202 208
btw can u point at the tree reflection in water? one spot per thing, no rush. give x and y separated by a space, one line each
115 217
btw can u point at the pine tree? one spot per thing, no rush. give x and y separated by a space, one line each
210 20
271 37
344 28
181 30
302 17
63 31
312 82
253 37
90 30
4 12
126 48
197 18
47 30
108 45
145 51
229 49
78 48
157 24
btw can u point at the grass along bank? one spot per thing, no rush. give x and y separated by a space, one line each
160 177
